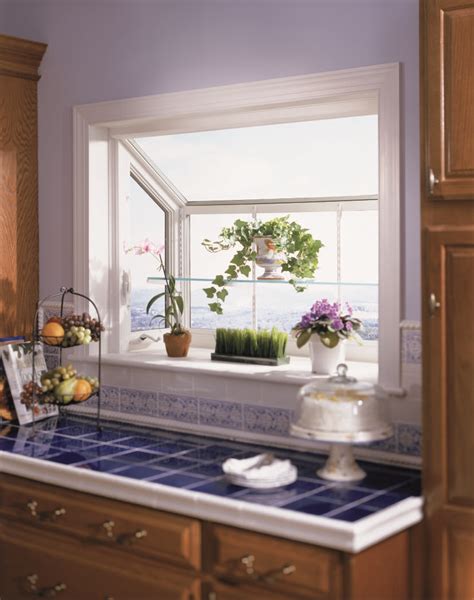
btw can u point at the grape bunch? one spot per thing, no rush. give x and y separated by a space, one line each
31 392
80 329
50 379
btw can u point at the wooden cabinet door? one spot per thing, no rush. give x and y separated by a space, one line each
449 410
448 54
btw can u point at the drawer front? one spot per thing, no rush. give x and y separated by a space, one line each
237 557
127 527
36 566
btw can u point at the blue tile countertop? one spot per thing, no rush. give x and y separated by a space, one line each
182 473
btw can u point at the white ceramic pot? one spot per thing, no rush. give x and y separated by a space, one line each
324 360
268 258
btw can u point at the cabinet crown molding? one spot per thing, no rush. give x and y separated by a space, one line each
20 58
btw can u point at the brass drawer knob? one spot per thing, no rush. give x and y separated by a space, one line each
32 506
272 576
248 562
141 533
108 526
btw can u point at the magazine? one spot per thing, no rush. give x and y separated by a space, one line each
18 364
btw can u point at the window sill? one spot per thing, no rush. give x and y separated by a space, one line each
297 372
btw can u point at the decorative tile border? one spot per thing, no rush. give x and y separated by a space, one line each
267 420
409 439
138 402
411 343
178 408
216 413
222 415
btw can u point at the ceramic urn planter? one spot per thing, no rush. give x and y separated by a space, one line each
268 258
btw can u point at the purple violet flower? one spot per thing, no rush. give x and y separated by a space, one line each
337 324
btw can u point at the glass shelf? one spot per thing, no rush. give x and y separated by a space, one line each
265 281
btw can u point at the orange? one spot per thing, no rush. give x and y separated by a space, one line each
52 333
82 390
55 320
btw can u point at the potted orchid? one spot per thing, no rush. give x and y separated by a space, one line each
178 340
326 327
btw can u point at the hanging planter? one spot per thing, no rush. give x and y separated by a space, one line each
279 245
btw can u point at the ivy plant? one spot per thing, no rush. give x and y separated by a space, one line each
300 253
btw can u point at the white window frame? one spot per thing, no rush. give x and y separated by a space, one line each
98 127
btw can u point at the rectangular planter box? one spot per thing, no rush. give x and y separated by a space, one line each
270 362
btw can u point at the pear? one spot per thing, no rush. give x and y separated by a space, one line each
64 391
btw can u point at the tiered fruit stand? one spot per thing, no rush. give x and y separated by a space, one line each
61 386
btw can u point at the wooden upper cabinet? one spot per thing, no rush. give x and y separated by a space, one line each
449 86
19 263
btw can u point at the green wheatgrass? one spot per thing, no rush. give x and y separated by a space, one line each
263 343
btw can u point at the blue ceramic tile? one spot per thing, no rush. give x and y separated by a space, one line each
275 497
68 458
76 430
139 472
381 480
212 453
181 480
171 447
342 494
7 444
353 514
138 402
207 469
108 435
271 421
67 443
178 408
219 487
381 501
411 488
136 457
103 465
174 463
312 505
101 451
409 439
137 442
216 413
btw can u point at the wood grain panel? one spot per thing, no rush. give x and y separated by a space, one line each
459 291
19 260
460 551
380 572
8 239
448 81
458 68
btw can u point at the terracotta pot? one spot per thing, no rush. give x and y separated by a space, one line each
177 346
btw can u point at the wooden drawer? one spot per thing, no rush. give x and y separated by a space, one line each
240 558
49 566
126 527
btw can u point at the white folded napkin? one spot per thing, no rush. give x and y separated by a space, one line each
263 467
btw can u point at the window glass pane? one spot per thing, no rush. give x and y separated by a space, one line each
360 264
206 265
279 304
146 220
330 157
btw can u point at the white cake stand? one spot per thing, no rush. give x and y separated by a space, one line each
341 465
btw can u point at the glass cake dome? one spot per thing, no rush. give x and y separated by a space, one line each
343 411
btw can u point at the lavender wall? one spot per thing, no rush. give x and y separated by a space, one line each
111 49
